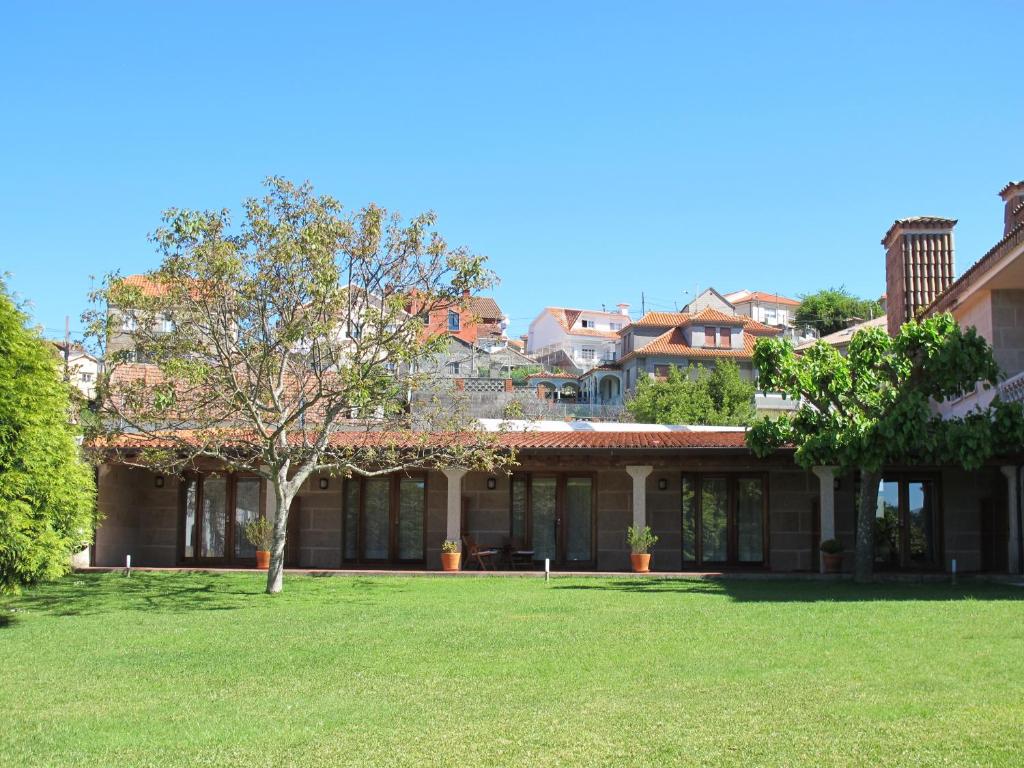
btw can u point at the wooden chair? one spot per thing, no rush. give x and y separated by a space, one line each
519 555
478 554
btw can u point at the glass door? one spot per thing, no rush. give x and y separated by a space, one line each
213 526
215 511
723 520
578 522
544 517
383 520
376 518
907 523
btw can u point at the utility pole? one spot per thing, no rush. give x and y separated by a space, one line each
67 345
643 304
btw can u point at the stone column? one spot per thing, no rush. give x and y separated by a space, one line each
1012 496
453 529
826 505
639 473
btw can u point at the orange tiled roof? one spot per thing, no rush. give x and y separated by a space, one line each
741 297
523 441
676 319
485 307
672 343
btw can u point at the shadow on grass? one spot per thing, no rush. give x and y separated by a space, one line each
746 590
90 594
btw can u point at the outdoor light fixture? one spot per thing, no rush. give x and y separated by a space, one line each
662 483
158 481
323 483
492 483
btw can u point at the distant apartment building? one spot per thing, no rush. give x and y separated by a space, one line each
767 308
575 340
81 369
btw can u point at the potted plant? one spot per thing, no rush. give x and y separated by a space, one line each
450 555
832 555
640 542
260 534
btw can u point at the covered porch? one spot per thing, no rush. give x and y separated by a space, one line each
713 505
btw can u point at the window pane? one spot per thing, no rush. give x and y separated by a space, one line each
749 519
543 489
375 523
887 524
518 531
689 521
351 532
247 509
191 487
412 498
578 520
215 502
714 504
921 523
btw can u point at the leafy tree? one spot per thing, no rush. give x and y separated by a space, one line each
873 407
47 509
285 347
695 395
521 374
830 310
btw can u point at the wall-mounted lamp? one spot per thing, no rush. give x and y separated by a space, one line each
324 482
158 481
492 483
662 483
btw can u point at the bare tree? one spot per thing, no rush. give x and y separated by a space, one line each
285 346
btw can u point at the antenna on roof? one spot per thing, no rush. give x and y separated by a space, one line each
643 305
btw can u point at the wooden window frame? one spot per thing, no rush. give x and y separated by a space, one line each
561 483
394 502
903 479
231 503
725 338
731 527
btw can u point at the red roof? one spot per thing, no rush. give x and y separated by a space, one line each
523 441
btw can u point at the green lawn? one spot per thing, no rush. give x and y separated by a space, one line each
176 669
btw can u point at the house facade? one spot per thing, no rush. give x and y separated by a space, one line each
572 494
575 340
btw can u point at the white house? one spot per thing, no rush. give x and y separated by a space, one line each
575 340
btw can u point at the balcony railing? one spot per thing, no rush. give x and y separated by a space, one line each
1012 390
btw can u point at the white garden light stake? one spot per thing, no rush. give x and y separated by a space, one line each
547 568
127 565
953 569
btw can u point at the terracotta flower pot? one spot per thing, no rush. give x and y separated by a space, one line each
262 559
641 562
450 561
833 562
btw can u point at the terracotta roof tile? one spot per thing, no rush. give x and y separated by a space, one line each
741 297
485 308
672 343
710 315
567 319
523 441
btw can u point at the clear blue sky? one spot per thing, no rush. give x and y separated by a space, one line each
593 151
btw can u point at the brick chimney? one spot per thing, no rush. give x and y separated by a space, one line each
918 265
1013 197
623 309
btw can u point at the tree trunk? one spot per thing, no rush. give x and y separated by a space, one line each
275 574
865 551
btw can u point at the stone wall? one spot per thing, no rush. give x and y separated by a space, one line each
118 503
320 523
1008 330
792 497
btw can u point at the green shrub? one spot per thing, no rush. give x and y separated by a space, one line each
641 539
260 533
831 546
449 546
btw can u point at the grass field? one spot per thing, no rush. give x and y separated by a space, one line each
178 669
